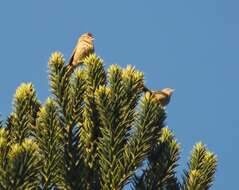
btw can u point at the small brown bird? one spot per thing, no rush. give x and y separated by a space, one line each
84 47
163 96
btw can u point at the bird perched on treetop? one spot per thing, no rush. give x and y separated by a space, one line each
84 47
163 96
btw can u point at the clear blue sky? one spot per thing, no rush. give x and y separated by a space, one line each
192 46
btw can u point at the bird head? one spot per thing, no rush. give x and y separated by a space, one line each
168 91
88 37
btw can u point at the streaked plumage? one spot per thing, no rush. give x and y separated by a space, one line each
84 47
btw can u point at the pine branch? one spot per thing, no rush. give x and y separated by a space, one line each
49 137
74 161
116 105
25 108
22 167
68 96
133 84
76 97
90 132
202 168
4 147
160 170
149 122
94 134
59 82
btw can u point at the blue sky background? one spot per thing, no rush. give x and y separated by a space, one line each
191 46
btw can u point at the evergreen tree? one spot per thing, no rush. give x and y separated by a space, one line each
98 130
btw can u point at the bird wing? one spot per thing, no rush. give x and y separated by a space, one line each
72 57
162 97
85 50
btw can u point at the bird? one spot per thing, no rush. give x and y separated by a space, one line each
84 47
163 96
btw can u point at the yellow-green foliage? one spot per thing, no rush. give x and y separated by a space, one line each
98 130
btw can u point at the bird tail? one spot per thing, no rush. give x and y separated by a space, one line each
69 67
